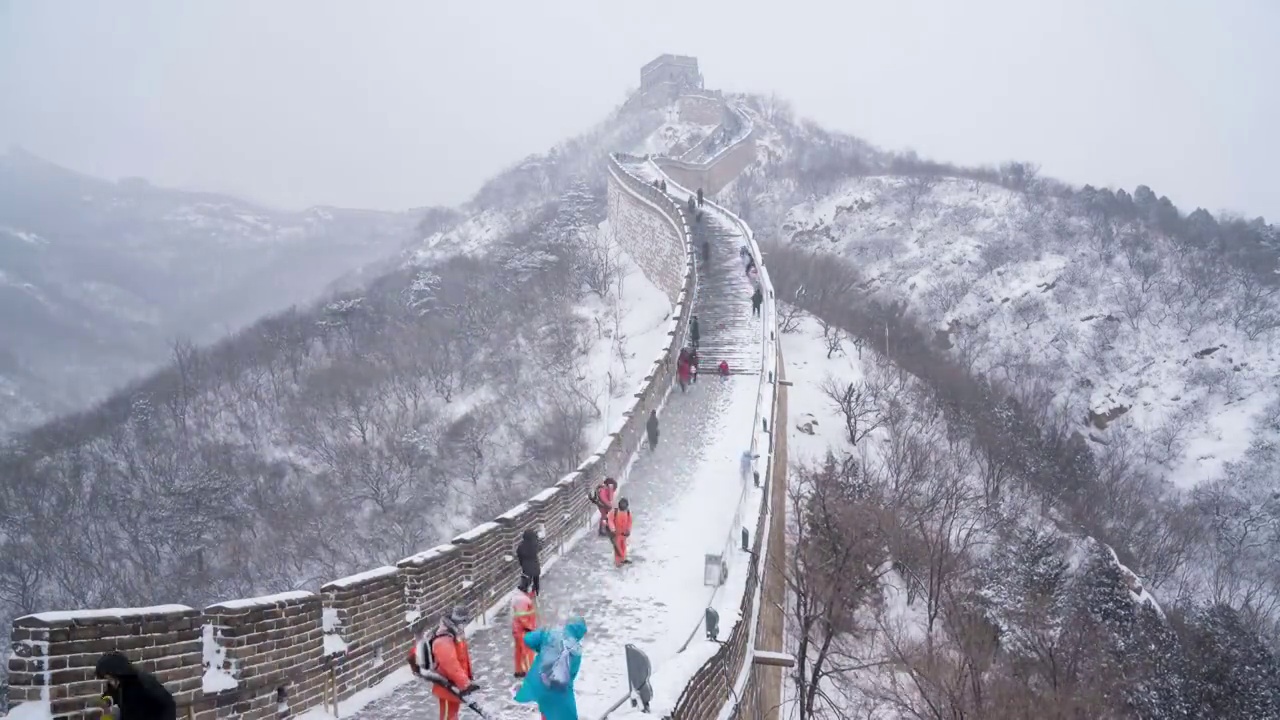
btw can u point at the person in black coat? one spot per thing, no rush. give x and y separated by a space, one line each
651 427
693 331
138 694
527 553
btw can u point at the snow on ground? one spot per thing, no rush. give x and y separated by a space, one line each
630 331
815 423
1029 297
674 137
677 493
473 234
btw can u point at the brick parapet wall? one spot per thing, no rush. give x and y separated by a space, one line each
320 648
713 174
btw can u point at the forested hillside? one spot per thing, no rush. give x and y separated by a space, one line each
354 431
1051 444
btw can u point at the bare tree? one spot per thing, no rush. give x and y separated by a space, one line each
858 405
598 262
1254 310
834 338
835 562
1029 310
789 317
917 188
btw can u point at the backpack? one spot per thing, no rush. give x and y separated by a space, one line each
427 661
556 674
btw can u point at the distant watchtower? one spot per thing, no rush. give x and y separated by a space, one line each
666 76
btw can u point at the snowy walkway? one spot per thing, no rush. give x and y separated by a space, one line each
728 331
683 496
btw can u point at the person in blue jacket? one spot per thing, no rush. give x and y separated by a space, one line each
550 643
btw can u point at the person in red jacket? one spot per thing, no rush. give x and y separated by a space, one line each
524 618
602 498
620 531
683 368
441 657
724 369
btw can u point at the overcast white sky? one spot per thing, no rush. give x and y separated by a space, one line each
394 104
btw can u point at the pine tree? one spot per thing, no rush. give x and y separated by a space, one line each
1232 674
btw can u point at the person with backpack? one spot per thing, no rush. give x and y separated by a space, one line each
442 658
620 531
527 553
602 498
558 662
136 694
524 619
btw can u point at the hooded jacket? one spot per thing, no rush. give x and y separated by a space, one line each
139 694
527 553
549 643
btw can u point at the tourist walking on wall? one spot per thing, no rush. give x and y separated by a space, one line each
558 661
524 619
706 252
757 298
651 427
693 331
135 694
527 553
690 204
699 197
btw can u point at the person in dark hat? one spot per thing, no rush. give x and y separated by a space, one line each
137 693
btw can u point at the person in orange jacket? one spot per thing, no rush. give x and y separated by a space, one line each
524 618
441 657
620 531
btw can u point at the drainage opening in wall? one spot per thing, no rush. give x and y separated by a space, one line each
282 699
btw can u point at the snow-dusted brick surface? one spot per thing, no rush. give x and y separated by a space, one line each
54 653
649 236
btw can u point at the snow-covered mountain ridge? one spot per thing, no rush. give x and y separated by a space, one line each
97 277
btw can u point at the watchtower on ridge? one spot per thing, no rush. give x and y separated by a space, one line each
666 77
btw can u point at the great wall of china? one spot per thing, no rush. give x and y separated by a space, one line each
283 655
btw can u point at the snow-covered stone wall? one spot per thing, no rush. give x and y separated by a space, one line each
700 109
652 228
54 654
271 654
720 170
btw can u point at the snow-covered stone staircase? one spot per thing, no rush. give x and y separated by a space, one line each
727 329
